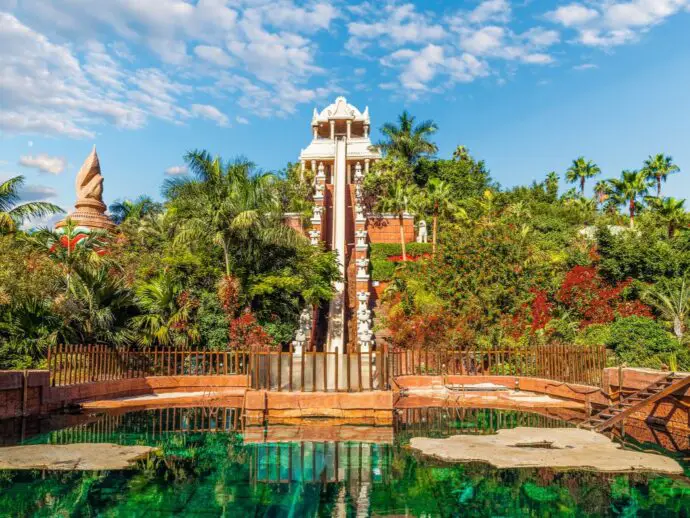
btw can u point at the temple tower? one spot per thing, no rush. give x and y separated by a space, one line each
340 155
89 210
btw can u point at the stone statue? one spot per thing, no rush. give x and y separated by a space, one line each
316 218
321 171
422 235
358 192
303 331
362 268
319 190
363 297
358 173
315 236
360 212
361 236
89 209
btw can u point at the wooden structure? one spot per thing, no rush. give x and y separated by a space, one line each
665 386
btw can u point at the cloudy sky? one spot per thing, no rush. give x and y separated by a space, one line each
528 85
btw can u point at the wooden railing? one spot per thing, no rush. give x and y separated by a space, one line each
324 371
76 364
566 363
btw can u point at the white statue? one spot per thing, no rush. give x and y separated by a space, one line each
316 218
362 268
358 192
318 190
321 171
358 173
360 213
315 237
422 235
303 331
361 236
363 297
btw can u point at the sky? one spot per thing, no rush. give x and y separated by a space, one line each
527 85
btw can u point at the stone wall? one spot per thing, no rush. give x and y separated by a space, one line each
385 229
24 393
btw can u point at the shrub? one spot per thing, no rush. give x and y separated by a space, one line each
383 267
643 342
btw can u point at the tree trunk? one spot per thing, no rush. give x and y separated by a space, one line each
582 185
678 328
434 233
402 237
632 213
658 186
226 256
671 230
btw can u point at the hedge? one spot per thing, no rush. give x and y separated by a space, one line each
382 268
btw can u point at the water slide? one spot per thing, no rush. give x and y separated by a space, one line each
336 320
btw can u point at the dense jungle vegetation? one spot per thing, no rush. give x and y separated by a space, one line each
211 265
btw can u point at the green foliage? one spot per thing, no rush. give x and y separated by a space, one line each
382 268
642 342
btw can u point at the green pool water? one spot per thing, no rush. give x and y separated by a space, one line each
205 468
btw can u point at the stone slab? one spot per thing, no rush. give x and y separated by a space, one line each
72 457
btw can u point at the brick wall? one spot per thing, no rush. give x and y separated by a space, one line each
386 229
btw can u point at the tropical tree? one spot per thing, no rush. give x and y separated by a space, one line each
581 170
166 314
396 200
11 214
671 298
230 203
671 212
406 140
122 210
461 153
657 168
627 190
436 198
70 247
602 191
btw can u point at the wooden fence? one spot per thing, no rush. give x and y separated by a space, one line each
76 364
324 371
566 363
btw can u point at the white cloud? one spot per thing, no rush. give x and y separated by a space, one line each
44 163
213 55
484 41
540 37
206 111
177 170
36 193
572 15
585 66
491 10
241 120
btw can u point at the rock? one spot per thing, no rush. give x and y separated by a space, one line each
72 457
552 448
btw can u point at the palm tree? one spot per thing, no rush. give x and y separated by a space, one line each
121 211
408 141
671 211
602 190
437 196
12 214
231 203
671 297
166 311
396 201
628 189
71 247
580 170
584 207
461 153
657 168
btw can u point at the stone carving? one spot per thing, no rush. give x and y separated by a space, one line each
316 218
358 192
89 209
364 321
361 236
422 234
358 173
321 171
362 268
315 237
363 297
303 331
359 213
319 190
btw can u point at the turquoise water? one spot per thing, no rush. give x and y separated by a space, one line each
205 468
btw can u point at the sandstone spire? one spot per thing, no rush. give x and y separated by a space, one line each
89 209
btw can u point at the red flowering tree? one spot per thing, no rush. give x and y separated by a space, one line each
246 333
594 300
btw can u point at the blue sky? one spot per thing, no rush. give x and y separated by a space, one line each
527 85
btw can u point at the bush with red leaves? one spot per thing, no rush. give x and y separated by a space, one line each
247 334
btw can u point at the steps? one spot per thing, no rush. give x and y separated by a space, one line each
661 388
